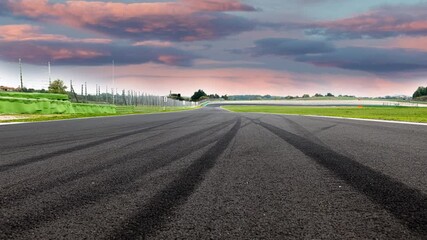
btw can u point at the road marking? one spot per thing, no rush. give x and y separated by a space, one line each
340 118
369 120
226 109
11 123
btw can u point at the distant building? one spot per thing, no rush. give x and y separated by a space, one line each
7 89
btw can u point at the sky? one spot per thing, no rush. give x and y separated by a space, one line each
366 48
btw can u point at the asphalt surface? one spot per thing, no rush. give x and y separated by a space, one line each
212 174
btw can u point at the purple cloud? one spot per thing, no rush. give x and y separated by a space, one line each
375 60
287 46
383 22
89 54
186 20
324 54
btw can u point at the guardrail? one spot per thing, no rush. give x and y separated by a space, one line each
320 103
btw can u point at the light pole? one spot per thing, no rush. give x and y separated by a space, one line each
50 73
114 79
20 75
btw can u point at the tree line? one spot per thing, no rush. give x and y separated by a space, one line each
421 92
200 95
58 86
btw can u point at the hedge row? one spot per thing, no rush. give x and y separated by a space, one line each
62 97
9 105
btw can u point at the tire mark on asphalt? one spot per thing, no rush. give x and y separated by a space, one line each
323 129
304 131
57 139
22 191
46 156
407 204
120 182
24 181
153 214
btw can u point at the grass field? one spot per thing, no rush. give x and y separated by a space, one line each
121 110
407 114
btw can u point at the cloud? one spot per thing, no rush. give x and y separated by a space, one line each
186 20
382 22
25 32
288 46
153 43
375 60
324 54
419 43
61 50
91 55
218 5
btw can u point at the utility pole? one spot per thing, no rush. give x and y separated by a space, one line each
114 80
112 93
20 75
86 90
124 97
50 73
72 91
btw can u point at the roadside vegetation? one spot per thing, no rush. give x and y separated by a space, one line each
408 114
5 118
30 105
121 111
420 94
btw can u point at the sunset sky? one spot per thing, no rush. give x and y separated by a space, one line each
277 47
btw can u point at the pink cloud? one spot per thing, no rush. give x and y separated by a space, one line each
186 20
29 43
63 53
218 5
170 59
39 53
153 43
419 43
25 32
382 22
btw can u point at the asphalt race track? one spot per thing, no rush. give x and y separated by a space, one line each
212 174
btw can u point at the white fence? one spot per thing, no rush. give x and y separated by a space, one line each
321 103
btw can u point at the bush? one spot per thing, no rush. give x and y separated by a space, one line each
421 91
57 86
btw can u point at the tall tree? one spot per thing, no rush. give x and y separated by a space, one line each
421 91
197 95
57 86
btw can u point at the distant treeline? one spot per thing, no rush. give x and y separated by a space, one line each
270 97
420 93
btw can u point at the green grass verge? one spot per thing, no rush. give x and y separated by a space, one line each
121 111
408 114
